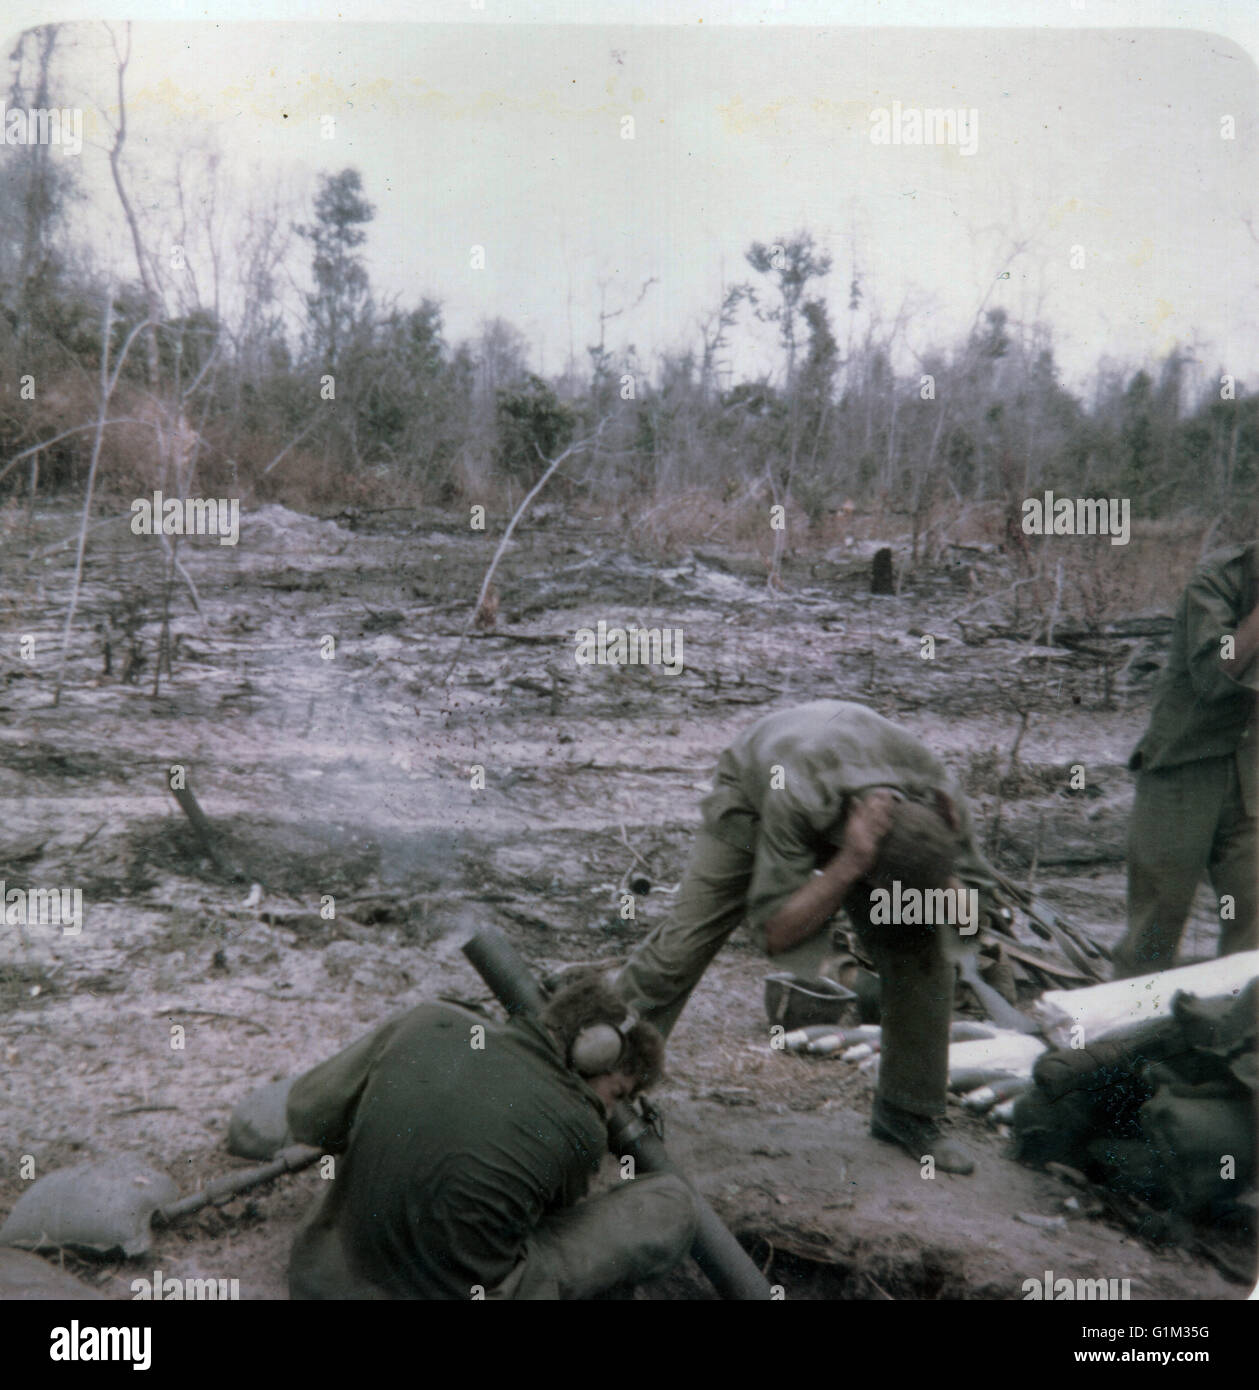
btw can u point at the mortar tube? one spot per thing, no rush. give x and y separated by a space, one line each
502 967
724 1261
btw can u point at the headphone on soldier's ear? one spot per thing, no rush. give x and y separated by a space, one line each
601 1046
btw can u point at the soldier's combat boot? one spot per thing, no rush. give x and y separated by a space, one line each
919 1135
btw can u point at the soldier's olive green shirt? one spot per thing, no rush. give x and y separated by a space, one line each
780 792
1200 710
453 1153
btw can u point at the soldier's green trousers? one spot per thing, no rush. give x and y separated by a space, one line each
917 982
1189 821
638 1231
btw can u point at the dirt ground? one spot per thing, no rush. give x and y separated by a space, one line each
355 776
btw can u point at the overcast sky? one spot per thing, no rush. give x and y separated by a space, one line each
509 137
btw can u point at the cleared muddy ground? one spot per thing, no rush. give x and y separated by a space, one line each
356 777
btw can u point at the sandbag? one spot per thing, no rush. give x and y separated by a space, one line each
1191 1135
1133 1166
98 1207
1109 1061
27 1278
259 1127
1053 1130
1225 1025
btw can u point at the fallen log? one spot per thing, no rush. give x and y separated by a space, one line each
1102 1009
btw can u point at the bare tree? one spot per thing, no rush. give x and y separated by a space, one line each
122 56
108 383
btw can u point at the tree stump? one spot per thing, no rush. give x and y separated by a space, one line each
881 578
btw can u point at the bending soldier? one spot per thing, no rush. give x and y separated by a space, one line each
810 809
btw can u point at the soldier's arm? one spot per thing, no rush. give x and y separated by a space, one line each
808 909
323 1101
1211 614
1246 648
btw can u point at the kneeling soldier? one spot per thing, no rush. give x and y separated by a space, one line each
468 1146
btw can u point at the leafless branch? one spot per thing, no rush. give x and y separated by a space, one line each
552 465
106 388
66 434
292 444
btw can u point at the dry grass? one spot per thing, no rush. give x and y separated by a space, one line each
1099 581
988 772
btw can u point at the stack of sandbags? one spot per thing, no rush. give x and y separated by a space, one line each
1151 1089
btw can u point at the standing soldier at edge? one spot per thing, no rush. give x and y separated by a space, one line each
1195 805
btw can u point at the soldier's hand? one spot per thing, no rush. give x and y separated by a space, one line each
868 822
